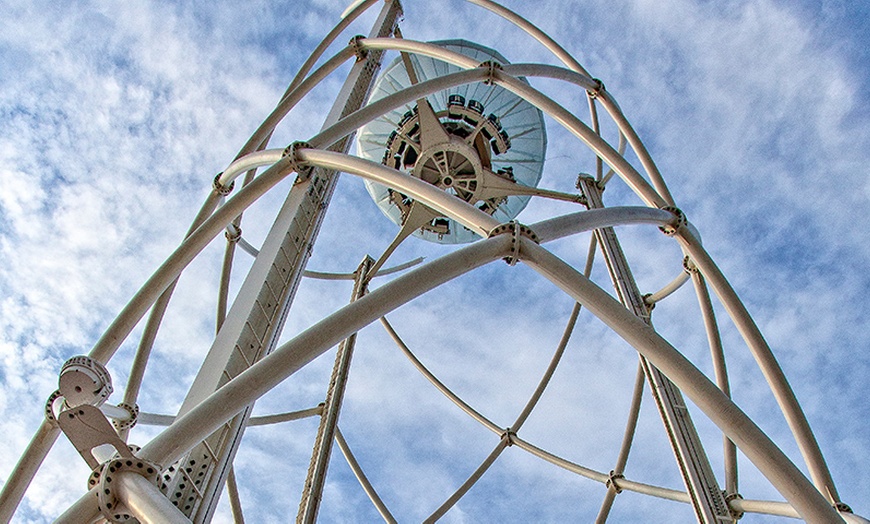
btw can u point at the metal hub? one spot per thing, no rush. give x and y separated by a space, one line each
452 150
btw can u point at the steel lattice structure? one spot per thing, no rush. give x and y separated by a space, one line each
441 168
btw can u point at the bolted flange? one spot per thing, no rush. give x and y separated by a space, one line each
515 229
292 152
680 222
221 189
84 380
108 502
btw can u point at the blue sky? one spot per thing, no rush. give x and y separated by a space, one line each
115 117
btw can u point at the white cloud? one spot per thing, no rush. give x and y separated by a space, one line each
116 117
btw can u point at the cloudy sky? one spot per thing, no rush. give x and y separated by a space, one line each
114 118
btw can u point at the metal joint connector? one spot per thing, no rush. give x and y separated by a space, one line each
679 222
49 407
735 513
133 410
515 229
612 481
597 90
689 265
221 189
106 498
508 436
358 48
491 66
233 233
650 304
84 380
292 152
585 180
842 507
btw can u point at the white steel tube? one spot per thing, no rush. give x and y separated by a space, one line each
766 456
248 386
468 484
625 448
201 421
533 31
20 477
559 461
292 98
582 221
181 257
420 48
351 14
350 276
668 289
145 502
600 147
717 355
649 193
154 419
378 108
235 500
459 210
749 506
636 144
84 511
361 477
253 160
548 373
770 368
447 392
152 325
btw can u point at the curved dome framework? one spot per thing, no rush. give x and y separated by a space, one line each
451 144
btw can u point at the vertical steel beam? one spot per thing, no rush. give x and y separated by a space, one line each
312 492
707 498
256 318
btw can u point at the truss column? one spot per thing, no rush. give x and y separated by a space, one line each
312 492
257 316
707 498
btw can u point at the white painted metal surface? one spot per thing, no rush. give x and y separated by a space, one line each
247 361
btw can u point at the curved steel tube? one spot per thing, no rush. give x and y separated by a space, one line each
447 392
717 355
766 456
178 260
770 368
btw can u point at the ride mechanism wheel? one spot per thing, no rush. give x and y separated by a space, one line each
558 380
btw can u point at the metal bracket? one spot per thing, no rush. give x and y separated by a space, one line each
679 222
842 507
87 427
515 229
582 180
107 500
508 436
49 407
292 152
612 481
650 305
728 498
84 380
358 49
221 189
133 410
233 233
597 90
492 66
689 265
